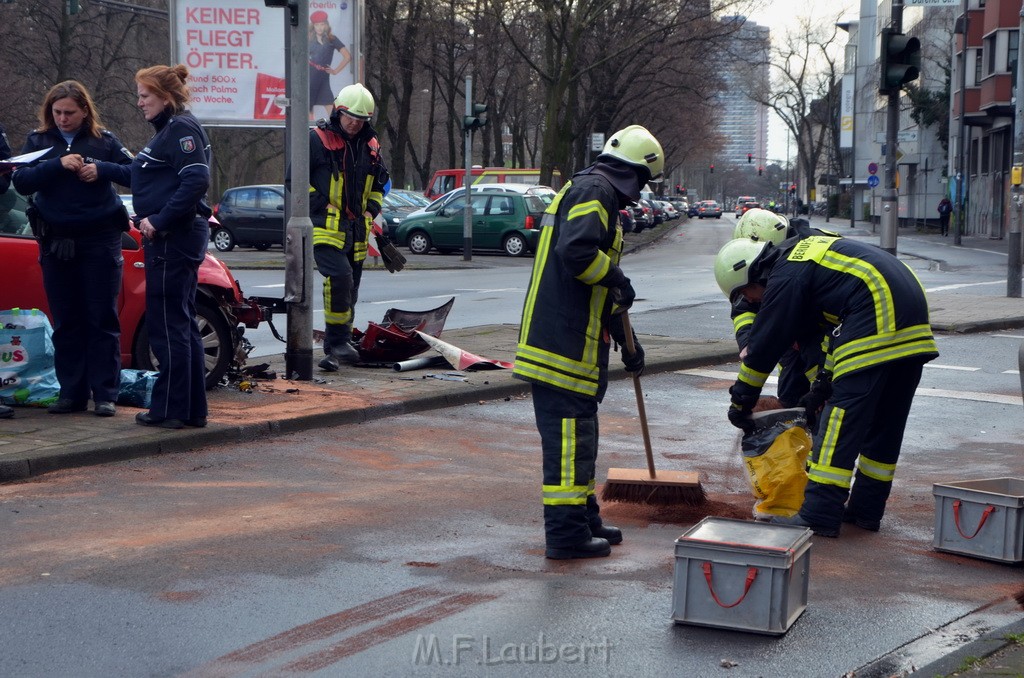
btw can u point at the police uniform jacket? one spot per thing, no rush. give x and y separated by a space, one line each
171 175
68 205
563 340
875 303
347 178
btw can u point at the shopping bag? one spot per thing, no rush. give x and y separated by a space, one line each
136 388
775 455
27 376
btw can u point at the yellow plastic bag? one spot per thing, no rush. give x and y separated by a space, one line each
775 455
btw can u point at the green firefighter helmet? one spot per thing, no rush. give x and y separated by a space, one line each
355 100
638 147
733 263
762 225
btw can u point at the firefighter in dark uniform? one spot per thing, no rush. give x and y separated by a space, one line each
170 177
575 288
5 181
800 364
347 176
78 220
879 345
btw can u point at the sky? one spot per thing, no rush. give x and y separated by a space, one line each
778 15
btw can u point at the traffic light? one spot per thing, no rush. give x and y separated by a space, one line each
478 119
73 7
750 158
678 189
712 169
759 170
792 189
900 60
291 5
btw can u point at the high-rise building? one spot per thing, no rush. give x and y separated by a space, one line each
744 122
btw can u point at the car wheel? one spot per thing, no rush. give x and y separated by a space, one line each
514 245
223 240
261 246
419 242
217 343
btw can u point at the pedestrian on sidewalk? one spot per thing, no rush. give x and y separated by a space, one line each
170 178
879 345
945 209
78 220
347 176
575 290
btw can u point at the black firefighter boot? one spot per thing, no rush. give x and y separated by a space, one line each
341 352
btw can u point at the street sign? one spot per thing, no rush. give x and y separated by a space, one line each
872 168
932 3
597 141
873 181
908 135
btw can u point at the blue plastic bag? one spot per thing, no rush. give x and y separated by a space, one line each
27 376
136 388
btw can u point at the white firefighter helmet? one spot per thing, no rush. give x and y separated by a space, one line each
355 100
638 147
762 225
733 262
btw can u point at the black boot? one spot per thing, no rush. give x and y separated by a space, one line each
612 535
592 548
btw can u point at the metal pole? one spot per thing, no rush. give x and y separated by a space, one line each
298 247
1013 239
890 205
467 223
961 175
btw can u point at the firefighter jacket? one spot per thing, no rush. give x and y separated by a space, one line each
873 300
68 205
563 339
346 177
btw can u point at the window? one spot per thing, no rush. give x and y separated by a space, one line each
502 205
271 200
479 203
990 55
1012 48
244 198
979 57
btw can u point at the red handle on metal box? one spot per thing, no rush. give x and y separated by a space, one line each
751 575
989 510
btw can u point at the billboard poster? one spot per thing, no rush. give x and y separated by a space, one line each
235 53
846 112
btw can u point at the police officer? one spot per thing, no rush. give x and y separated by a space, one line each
78 221
880 343
170 177
347 176
575 288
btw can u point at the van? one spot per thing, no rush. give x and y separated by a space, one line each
445 180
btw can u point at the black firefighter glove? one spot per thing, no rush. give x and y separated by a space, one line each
63 248
634 362
744 398
814 400
623 296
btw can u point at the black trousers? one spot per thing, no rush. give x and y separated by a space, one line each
568 436
342 274
82 294
172 277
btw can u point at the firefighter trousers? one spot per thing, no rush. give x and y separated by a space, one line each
342 275
568 429
862 427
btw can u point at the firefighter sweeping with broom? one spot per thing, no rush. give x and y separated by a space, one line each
575 289
879 345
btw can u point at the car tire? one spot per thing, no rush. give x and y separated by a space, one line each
217 343
261 246
223 240
514 245
419 242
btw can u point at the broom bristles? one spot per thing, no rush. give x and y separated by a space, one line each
654 495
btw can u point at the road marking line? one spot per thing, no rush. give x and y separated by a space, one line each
944 288
952 367
922 390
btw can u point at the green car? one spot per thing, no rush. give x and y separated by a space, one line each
501 221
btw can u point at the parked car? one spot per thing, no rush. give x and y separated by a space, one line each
670 210
546 193
741 202
221 308
744 207
249 216
709 209
693 208
414 198
658 214
643 216
504 220
394 209
626 220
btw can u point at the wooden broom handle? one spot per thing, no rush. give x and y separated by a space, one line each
627 330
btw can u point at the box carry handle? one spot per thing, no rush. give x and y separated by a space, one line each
989 510
751 575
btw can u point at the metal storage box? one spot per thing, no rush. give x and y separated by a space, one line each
742 575
981 518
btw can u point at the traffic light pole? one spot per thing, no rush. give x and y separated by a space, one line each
890 201
1013 240
467 222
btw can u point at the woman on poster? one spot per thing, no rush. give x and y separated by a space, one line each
323 43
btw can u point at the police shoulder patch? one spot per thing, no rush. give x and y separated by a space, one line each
188 144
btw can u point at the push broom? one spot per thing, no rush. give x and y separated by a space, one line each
640 486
